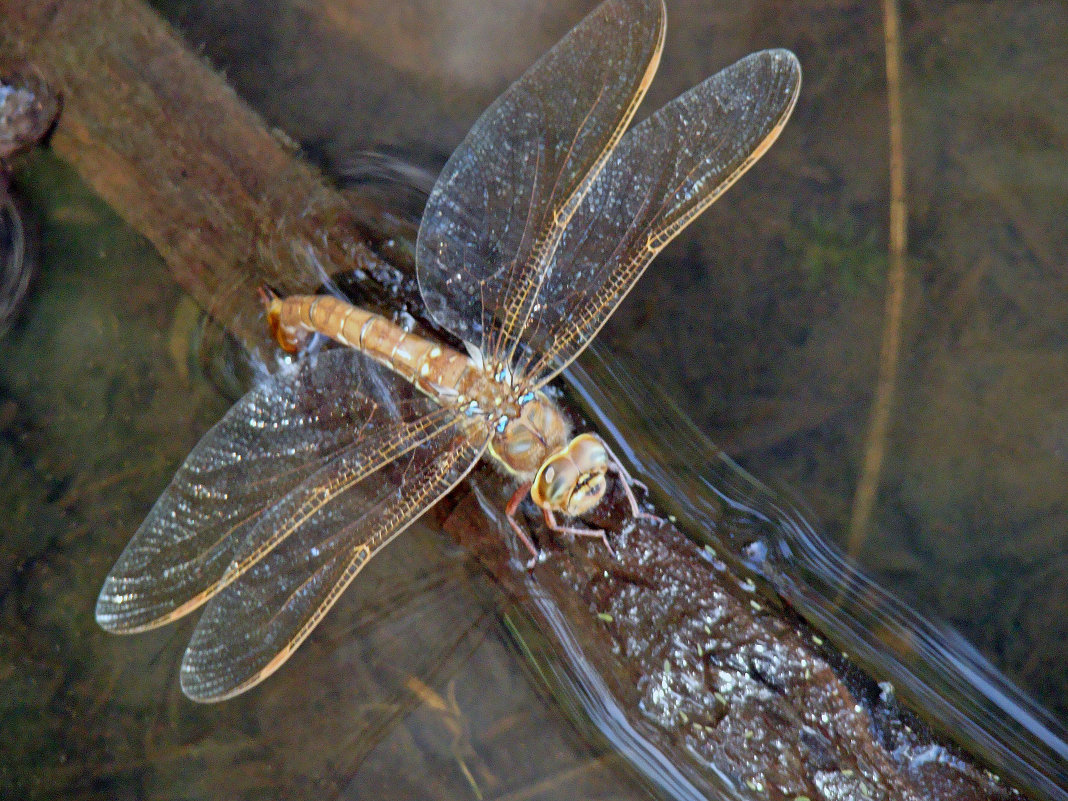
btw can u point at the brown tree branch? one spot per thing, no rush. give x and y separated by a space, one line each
162 138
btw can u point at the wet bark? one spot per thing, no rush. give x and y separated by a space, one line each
736 690
712 673
157 134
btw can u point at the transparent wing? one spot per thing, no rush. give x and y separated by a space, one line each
250 628
337 416
499 207
664 172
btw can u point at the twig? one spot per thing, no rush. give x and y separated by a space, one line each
875 443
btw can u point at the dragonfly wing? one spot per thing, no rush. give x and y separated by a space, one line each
503 199
665 171
253 625
337 411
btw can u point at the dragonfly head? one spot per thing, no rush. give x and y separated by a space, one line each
572 480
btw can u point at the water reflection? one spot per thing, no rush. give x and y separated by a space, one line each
930 666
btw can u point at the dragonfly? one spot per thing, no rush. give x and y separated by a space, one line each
539 225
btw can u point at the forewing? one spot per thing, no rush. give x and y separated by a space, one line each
337 412
498 209
250 628
665 171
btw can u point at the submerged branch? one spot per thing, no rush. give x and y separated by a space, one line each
159 136
889 352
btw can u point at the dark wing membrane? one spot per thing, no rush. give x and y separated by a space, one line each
337 413
499 207
665 172
250 628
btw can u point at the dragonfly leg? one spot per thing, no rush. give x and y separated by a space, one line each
509 512
626 483
550 521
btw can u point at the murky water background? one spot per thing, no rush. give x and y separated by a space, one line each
763 323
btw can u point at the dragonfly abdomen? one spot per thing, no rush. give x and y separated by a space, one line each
436 369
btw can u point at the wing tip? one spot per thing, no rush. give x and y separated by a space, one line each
118 617
205 685
112 612
199 691
779 56
120 611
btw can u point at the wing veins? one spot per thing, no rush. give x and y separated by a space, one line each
322 496
238 567
571 333
540 266
552 140
433 480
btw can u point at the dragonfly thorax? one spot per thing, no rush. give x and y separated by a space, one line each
526 439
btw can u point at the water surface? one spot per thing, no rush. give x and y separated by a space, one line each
763 323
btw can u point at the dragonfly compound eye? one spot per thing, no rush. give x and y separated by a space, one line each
573 480
555 482
588 491
589 454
